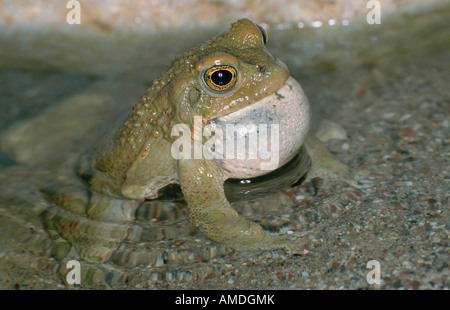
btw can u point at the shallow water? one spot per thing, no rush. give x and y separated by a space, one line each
392 99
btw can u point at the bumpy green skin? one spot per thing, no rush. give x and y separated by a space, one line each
137 162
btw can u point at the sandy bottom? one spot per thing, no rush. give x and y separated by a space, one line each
397 126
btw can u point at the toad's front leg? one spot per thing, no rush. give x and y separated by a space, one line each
208 209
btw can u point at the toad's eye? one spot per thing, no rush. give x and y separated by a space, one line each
220 78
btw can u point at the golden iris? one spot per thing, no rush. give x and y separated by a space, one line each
220 78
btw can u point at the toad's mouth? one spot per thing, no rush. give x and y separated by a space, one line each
263 136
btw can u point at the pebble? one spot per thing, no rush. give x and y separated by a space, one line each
345 146
404 117
388 115
329 130
299 197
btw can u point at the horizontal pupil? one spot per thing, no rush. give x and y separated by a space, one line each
221 77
